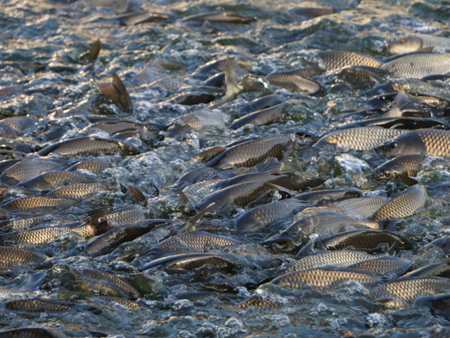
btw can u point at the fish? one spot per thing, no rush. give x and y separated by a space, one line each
255 220
106 243
36 305
120 126
79 190
34 203
363 207
338 259
27 169
365 240
293 82
402 106
415 43
407 289
324 196
216 17
94 166
443 243
334 60
405 204
194 260
312 12
388 266
263 117
118 93
196 241
31 333
325 277
360 138
441 269
86 146
106 283
437 304
10 256
239 194
53 180
131 19
362 77
24 223
404 165
252 152
418 142
126 215
418 65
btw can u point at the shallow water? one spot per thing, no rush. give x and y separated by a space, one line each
60 98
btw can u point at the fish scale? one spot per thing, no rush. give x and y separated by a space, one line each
339 259
419 65
37 202
362 138
408 165
409 289
362 207
109 281
334 60
80 190
323 277
384 265
35 305
294 83
404 205
11 256
53 180
194 240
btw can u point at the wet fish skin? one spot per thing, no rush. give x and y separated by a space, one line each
443 243
338 259
250 153
118 93
115 127
216 17
408 289
363 207
405 165
10 256
415 43
324 196
197 241
262 117
53 180
334 60
87 145
30 333
389 266
403 205
36 305
365 240
106 243
325 277
108 280
360 138
418 65
418 142
27 169
294 82
441 269
126 215
79 190
238 194
312 12
256 219
95 165
193 260
33 203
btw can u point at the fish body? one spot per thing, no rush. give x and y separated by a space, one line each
36 305
192 261
365 240
334 60
38 202
404 165
79 190
325 277
415 43
27 169
30 333
86 146
441 269
257 218
53 180
419 142
262 117
386 265
360 138
362 207
403 205
217 17
127 215
294 82
323 196
95 165
10 256
419 65
338 259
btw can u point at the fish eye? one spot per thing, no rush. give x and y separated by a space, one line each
401 40
392 145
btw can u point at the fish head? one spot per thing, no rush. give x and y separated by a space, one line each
391 169
405 45
409 143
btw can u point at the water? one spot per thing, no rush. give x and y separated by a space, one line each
43 76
